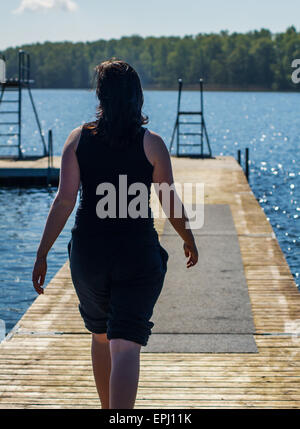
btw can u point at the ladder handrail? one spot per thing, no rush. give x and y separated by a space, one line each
37 121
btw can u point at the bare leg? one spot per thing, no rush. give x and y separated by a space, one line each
101 366
125 358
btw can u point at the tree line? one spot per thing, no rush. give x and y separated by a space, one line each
253 60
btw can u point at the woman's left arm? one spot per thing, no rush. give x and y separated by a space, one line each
61 208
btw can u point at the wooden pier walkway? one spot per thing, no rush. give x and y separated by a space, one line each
45 361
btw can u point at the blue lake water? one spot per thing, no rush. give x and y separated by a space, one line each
267 123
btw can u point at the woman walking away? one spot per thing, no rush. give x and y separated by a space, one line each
117 263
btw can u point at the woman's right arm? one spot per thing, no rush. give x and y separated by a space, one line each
158 155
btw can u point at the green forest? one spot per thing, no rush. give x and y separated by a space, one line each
257 60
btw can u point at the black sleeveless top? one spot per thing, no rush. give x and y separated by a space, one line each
106 176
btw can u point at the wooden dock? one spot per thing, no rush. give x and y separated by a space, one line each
45 361
29 172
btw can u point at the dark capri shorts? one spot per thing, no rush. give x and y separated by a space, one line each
118 280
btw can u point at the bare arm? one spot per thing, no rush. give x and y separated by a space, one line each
159 156
61 208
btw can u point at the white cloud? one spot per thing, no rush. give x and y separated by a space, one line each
37 5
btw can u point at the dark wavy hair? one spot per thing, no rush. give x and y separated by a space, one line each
119 114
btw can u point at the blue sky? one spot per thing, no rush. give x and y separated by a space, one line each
29 21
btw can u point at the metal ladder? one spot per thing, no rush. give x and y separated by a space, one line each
15 87
202 133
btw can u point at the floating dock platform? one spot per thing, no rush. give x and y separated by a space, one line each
45 360
29 171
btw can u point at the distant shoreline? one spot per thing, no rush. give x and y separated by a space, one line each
257 60
206 88
220 88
